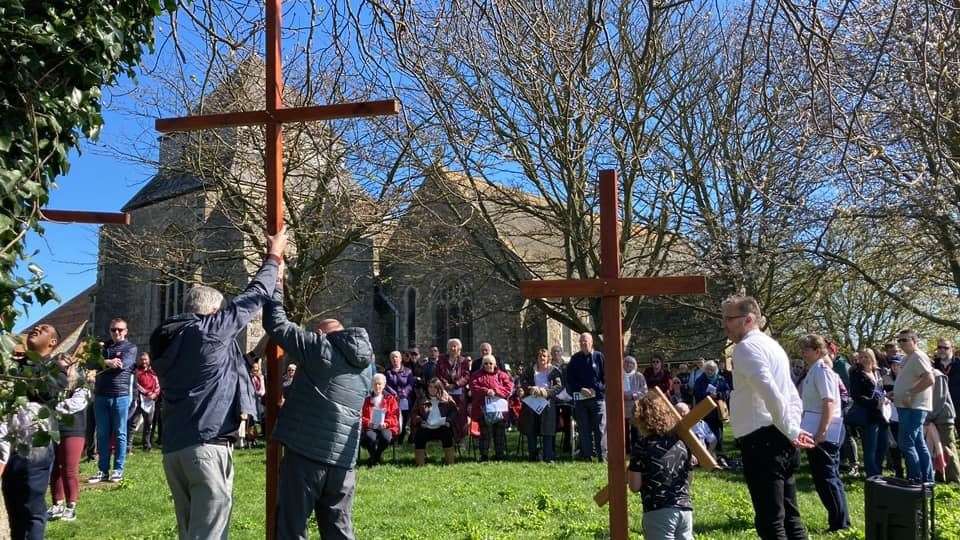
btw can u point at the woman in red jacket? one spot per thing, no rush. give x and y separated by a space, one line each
380 420
489 389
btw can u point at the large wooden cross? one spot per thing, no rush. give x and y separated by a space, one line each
610 287
82 216
273 118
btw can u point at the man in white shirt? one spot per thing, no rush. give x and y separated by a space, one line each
765 411
913 396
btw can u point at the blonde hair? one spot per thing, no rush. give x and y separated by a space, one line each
869 354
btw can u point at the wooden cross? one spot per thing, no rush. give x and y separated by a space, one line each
610 287
80 216
683 429
273 118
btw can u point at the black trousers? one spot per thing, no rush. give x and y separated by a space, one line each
375 441
769 463
25 481
310 487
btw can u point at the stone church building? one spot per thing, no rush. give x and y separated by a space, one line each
430 275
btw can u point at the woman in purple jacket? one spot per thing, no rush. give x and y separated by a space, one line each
400 382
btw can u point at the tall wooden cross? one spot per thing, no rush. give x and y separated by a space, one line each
273 118
610 287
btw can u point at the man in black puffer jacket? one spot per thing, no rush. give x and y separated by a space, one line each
319 424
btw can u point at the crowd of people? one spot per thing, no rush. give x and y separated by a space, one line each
895 403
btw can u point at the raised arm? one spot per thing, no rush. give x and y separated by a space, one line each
227 322
299 343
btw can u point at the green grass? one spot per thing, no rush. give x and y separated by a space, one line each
467 501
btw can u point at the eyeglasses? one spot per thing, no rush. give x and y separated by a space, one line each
732 317
902 339
118 329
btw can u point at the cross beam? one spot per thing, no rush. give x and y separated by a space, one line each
81 216
279 116
684 430
273 118
610 287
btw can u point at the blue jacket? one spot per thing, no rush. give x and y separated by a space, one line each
586 371
201 367
116 382
320 417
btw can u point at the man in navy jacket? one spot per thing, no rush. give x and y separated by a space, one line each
112 401
586 386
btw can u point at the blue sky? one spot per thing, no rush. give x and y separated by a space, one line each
68 253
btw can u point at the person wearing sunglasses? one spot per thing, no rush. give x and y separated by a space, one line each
913 396
111 403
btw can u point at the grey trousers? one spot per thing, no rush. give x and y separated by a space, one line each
310 486
668 524
201 482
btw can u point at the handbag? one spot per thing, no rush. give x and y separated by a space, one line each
856 416
723 411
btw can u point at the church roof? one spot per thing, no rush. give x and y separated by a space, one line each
161 187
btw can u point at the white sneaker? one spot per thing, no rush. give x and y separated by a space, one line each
69 513
55 512
116 476
97 478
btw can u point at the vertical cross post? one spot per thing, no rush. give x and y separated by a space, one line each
274 179
613 353
610 287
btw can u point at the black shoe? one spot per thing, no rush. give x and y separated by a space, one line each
484 458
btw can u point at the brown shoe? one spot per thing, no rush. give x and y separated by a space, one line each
420 457
450 455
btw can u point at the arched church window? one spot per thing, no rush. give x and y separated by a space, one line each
411 317
440 324
466 324
453 317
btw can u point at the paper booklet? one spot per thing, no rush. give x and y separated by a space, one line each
495 404
810 423
377 417
536 404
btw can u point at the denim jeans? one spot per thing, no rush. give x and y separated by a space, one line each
913 446
111 414
874 447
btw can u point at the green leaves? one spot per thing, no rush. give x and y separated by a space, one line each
56 56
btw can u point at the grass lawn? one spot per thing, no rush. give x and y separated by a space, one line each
469 500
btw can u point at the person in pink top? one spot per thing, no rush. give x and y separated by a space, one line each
489 389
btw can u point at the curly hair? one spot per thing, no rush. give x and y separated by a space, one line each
654 415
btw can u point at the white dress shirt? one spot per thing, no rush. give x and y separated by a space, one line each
763 392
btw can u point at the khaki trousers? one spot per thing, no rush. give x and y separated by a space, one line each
201 482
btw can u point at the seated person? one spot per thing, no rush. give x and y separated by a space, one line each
701 429
660 466
380 420
490 383
432 420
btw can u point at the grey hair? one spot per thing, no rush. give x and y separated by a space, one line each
202 300
710 365
455 340
395 353
380 377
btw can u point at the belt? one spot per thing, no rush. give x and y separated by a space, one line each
220 442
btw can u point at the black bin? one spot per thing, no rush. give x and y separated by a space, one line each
898 510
